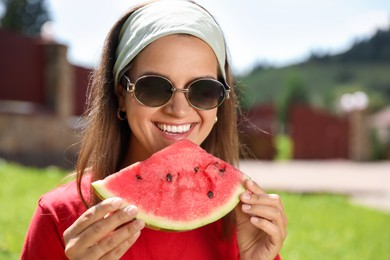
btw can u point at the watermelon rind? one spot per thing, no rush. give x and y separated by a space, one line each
167 224
157 222
174 219
100 189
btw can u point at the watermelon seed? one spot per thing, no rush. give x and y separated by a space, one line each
196 169
169 177
216 164
222 170
210 194
138 177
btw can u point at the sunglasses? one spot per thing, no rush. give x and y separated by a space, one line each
156 91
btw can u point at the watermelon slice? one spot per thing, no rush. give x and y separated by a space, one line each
181 187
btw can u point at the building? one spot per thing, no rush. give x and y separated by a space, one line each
42 96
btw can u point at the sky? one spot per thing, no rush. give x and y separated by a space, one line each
275 32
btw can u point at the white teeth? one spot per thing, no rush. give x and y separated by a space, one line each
174 128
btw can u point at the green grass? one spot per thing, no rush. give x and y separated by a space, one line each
324 226
20 189
321 226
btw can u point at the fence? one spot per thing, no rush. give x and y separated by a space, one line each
316 134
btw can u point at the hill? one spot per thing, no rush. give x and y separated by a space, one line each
364 67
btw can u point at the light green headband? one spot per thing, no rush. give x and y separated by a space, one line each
163 18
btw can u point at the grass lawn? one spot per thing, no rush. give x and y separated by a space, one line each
325 226
20 189
321 226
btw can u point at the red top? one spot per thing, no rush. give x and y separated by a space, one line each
58 209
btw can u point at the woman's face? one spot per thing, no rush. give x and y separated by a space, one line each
181 59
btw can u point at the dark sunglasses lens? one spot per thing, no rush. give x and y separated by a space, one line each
153 91
206 94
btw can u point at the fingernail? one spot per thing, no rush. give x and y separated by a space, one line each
130 210
246 196
254 219
139 224
116 202
246 207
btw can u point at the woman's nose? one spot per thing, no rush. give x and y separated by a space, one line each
178 105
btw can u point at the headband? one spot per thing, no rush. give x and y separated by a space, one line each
163 18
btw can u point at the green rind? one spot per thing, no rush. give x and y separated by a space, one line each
101 190
157 222
175 225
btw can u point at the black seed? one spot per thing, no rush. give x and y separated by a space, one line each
222 170
196 169
210 194
169 177
138 177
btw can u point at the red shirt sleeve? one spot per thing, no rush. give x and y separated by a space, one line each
56 211
43 240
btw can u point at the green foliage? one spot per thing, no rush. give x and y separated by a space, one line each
25 16
378 148
366 65
323 82
293 92
376 48
20 189
284 148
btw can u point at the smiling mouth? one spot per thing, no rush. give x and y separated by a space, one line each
174 129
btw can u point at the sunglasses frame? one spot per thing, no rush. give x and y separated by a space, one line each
130 88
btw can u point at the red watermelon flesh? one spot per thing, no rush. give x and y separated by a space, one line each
181 187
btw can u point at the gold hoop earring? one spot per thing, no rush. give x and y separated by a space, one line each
121 115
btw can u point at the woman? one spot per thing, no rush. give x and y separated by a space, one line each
133 113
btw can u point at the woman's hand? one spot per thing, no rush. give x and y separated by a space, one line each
104 231
261 223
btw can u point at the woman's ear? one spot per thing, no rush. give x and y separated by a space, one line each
120 93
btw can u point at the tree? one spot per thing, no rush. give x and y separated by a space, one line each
25 16
294 92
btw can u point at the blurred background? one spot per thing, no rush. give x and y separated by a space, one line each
313 77
314 84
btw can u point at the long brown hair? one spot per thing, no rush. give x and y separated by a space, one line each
105 138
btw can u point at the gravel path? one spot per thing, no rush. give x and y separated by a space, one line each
366 183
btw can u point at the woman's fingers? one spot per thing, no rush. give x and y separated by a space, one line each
264 207
275 233
118 242
256 195
92 215
272 200
103 230
266 213
253 187
126 241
